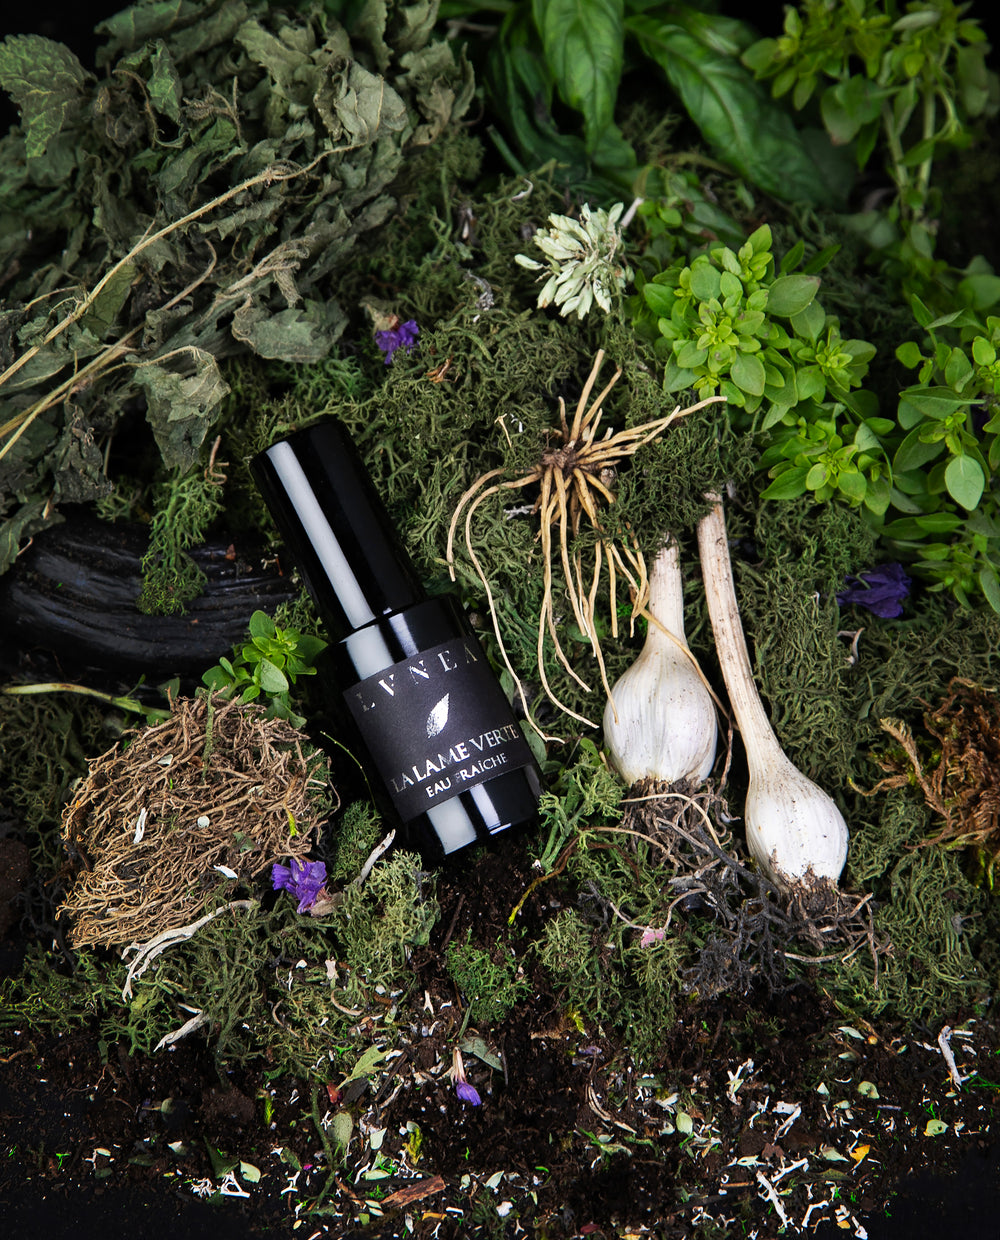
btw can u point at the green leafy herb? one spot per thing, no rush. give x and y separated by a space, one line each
268 664
905 82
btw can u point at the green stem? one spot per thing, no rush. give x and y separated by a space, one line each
924 171
55 686
899 172
331 1158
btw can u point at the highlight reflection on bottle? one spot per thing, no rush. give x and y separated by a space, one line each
428 710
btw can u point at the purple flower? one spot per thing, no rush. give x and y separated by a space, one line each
465 1091
881 590
468 1093
304 879
403 336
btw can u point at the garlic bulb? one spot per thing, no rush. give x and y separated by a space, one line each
660 719
794 829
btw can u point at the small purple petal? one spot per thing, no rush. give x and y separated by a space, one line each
651 936
468 1093
281 877
402 337
304 879
881 591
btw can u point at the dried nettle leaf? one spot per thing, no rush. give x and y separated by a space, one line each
194 201
46 82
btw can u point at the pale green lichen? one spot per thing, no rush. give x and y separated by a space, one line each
585 261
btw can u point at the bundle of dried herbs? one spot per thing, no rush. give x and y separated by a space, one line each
956 771
193 201
174 818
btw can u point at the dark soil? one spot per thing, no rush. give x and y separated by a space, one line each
568 1140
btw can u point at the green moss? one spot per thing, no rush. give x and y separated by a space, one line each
378 924
355 834
487 979
567 950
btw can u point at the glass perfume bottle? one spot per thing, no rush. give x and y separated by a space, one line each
428 714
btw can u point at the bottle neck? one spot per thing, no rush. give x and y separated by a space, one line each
336 528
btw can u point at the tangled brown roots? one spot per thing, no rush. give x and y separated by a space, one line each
218 784
574 480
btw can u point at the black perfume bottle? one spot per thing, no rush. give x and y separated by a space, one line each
428 713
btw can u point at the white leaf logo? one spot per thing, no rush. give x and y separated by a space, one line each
438 717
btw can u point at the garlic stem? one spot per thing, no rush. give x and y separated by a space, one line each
794 828
666 591
758 736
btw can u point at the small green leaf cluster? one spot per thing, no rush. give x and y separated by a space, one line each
729 322
915 79
553 76
269 664
947 454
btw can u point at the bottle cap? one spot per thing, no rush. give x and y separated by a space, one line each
335 527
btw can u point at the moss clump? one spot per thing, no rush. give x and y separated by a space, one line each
489 980
168 822
354 836
379 923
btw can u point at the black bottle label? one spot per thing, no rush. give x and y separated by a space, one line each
436 725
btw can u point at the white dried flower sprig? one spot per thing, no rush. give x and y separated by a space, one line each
584 260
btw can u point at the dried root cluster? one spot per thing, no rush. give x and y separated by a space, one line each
164 820
756 927
574 476
957 773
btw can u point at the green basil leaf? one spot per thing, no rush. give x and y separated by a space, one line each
853 485
810 383
706 281
920 312
808 323
880 426
989 583
689 355
737 117
748 373
958 369
848 105
660 299
790 295
773 416
983 352
520 84
931 402
794 257
788 485
980 292
865 439
938 522
878 495
908 354
261 625
271 678
914 453
903 530
584 43
965 481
